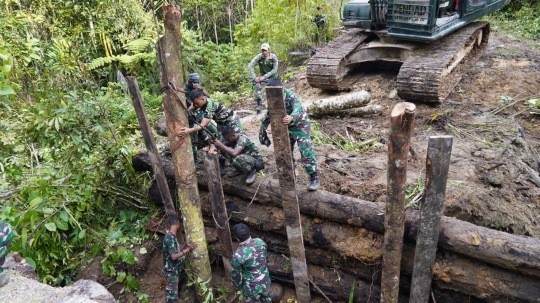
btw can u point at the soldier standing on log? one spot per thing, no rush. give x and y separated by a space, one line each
243 154
249 267
173 259
299 130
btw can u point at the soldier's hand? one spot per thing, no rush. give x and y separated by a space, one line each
192 246
287 120
184 132
196 85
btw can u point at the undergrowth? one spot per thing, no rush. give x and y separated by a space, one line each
519 20
346 142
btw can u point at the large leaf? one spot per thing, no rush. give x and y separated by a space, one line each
6 90
50 226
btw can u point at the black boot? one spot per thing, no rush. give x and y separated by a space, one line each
314 184
259 106
222 170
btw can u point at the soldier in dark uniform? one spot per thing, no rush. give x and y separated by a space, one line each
173 258
242 153
249 266
299 131
6 235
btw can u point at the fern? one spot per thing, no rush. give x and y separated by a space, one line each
138 45
99 62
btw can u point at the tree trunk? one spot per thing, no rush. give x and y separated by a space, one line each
153 154
287 182
437 164
336 104
515 252
219 210
170 64
401 126
370 109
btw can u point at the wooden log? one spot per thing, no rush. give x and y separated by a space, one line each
326 106
401 126
437 165
287 180
153 154
511 251
169 55
451 271
219 210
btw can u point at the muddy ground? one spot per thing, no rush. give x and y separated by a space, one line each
494 155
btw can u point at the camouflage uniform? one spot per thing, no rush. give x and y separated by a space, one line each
245 161
267 68
197 138
6 235
250 272
299 130
171 268
223 116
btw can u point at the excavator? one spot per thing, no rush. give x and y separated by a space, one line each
435 41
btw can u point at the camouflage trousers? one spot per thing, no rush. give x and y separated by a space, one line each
257 89
263 297
244 163
6 235
174 279
307 153
199 139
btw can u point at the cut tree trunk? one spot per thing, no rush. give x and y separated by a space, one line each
401 126
370 109
169 54
287 181
326 106
515 252
437 165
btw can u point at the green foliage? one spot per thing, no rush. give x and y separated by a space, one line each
520 19
534 106
414 191
209 294
347 143
6 66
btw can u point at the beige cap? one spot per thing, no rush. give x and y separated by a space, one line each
265 46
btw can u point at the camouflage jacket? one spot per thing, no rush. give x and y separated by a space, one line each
171 246
267 67
249 267
217 112
248 146
6 235
294 108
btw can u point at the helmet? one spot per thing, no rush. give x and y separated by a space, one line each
194 78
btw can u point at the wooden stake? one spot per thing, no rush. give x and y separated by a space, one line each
153 154
437 164
169 54
219 210
401 126
287 182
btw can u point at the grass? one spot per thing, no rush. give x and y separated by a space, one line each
518 21
345 142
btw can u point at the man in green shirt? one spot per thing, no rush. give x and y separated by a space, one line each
242 153
268 69
320 21
173 258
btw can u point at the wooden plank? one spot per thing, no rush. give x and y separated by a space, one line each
437 165
401 126
219 210
153 153
282 149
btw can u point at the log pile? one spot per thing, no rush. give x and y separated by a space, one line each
343 236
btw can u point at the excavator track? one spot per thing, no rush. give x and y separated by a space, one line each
431 72
327 69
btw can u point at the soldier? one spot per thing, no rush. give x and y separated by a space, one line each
249 266
242 153
6 235
299 130
197 139
268 69
320 21
173 259
212 110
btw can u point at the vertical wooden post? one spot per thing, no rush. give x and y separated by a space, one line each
219 210
401 126
169 53
437 165
153 154
287 183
